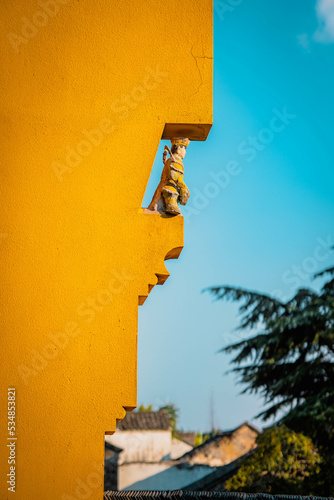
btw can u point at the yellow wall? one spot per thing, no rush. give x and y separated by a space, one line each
87 89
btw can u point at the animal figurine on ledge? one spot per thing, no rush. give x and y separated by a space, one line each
172 189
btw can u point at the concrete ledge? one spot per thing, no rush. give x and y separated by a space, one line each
194 131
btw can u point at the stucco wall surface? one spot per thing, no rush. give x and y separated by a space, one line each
142 446
87 89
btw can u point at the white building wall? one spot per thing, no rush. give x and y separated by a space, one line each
142 446
179 448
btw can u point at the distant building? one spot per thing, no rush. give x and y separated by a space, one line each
147 437
224 447
149 458
215 481
146 448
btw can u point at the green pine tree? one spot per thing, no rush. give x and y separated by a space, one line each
290 362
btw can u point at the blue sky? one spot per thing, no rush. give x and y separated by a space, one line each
261 212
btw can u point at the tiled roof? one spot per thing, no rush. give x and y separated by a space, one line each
216 480
213 442
145 421
199 495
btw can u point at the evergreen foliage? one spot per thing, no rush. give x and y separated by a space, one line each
290 361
